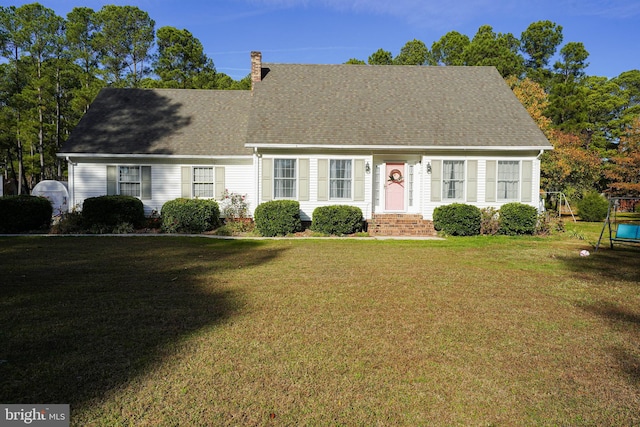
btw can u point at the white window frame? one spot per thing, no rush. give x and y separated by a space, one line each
446 182
125 182
411 170
334 181
196 182
283 179
503 192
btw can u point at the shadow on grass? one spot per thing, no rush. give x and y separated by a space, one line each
622 319
620 266
606 264
83 316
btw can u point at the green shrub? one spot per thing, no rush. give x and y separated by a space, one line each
593 207
106 212
278 218
337 219
190 215
517 218
24 213
457 219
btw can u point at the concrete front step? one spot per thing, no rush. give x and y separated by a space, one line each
400 225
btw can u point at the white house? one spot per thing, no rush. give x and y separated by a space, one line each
396 141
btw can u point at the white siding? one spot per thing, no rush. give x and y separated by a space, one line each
428 206
89 180
243 176
240 179
307 207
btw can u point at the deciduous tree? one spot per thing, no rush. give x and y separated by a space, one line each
570 167
624 170
533 97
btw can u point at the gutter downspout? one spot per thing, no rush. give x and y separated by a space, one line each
256 179
72 182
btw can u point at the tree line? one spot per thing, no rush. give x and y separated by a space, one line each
592 122
51 69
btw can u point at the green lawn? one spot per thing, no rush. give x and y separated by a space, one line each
197 331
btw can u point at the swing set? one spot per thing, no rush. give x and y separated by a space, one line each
623 228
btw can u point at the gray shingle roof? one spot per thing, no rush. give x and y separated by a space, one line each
163 121
357 105
313 105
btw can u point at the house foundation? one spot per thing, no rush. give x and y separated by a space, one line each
400 225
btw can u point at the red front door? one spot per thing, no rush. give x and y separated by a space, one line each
394 187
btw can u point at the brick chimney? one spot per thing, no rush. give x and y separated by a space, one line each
256 67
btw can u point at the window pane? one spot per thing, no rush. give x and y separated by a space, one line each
129 180
202 190
285 168
129 173
202 174
453 179
340 179
508 180
203 182
284 182
130 189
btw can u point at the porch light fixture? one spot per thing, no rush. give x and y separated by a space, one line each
367 167
429 167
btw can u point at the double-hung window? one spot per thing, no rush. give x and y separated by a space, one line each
508 179
129 179
203 184
340 178
132 181
453 180
284 178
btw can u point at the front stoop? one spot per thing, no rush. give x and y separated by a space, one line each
400 225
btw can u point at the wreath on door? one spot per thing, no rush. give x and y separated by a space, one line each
395 176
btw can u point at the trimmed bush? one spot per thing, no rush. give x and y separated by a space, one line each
593 207
109 211
278 218
24 213
190 215
457 219
517 218
337 219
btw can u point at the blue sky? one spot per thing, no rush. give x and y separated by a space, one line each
332 31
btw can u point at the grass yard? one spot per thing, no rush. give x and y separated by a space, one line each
150 331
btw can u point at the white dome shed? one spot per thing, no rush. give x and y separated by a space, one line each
57 192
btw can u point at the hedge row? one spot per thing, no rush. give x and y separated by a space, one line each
19 214
458 219
111 211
